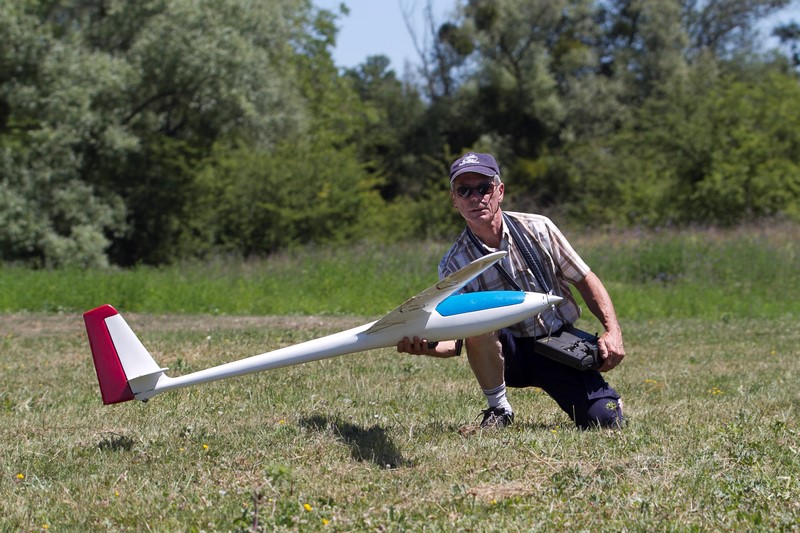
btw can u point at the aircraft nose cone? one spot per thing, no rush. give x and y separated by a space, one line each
554 300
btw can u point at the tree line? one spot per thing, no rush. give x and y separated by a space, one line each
143 132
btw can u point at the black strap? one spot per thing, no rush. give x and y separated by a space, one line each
527 253
506 276
530 258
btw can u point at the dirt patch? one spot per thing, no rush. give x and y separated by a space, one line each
494 492
60 324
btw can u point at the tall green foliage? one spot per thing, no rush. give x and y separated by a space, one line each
716 151
117 102
316 184
147 131
634 112
746 151
50 130
260 202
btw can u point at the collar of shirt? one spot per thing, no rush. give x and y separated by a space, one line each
514 259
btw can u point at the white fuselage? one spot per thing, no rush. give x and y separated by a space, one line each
467 320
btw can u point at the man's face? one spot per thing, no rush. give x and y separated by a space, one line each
476 207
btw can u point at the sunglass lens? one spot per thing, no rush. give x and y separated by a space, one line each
483 189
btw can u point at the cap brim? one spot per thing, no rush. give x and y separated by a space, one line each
476 169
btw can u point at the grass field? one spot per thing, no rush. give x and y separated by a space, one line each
750 272
379 441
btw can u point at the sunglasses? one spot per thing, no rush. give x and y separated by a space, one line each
483 189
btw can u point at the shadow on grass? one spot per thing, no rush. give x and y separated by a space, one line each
116 442
370 444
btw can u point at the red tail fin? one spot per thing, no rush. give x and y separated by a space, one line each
114 386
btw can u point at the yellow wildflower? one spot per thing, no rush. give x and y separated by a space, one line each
307 507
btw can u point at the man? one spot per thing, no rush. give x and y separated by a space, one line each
507 357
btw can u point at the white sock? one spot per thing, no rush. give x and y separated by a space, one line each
497 398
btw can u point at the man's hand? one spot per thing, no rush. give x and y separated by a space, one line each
611 349
599 303
418 346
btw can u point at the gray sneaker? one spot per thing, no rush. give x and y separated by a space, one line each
494 417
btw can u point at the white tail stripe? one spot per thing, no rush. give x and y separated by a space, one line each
134 357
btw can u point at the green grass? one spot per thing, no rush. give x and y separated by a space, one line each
752 272
383 441
361 279
747 272
377 441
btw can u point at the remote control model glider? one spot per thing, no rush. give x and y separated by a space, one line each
126 370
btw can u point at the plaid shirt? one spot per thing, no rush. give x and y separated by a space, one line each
563 265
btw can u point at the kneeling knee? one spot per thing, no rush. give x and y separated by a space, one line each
604 413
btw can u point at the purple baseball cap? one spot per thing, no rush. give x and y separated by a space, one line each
474 162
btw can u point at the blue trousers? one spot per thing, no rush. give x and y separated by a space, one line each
583 394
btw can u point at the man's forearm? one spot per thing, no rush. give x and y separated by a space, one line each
598 301
594 293
418 346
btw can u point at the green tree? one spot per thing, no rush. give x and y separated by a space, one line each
392 110
752 156
50 130
583 100
258 202
719 150
319 183
789 36
725 27
123 99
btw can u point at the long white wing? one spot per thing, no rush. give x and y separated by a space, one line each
427 300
